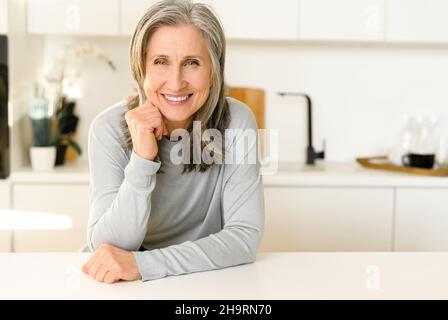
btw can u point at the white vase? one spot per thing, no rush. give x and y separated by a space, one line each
43 158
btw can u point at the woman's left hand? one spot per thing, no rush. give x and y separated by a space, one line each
110 264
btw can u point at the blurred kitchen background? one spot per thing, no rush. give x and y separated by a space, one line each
367 65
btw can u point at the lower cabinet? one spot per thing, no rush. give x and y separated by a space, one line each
4 195
67 199
297 218
421 221
5 235
328 219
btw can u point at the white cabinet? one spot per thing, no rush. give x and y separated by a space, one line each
68 199
4 195
80 17
5 235
328 219
417 20
259 19
342 20
421 219
131 11
3 16
248 19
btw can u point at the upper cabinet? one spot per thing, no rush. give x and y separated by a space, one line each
131 11
417 20
314 20
342 20
79 17
248 19
259 19
3 17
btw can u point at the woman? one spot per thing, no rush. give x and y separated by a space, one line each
147 223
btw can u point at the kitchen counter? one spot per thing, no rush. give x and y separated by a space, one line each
324 174
76 172
327 174
284 275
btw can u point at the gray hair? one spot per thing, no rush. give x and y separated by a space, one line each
214 114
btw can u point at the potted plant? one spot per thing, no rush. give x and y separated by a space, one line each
43 150
61 80
67 123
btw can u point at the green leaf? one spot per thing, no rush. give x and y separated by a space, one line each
75 146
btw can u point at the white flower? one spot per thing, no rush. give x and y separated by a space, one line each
66 64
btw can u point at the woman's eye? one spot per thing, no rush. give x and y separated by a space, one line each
192 62
161 62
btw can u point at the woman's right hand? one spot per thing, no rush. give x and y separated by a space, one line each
146 126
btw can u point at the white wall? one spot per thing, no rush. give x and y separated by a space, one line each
360 92
25 54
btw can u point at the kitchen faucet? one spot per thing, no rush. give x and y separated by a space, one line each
311 154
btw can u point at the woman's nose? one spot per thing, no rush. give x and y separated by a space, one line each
175 80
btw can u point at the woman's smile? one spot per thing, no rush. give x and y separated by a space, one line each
176 100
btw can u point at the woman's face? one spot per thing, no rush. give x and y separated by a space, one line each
178 71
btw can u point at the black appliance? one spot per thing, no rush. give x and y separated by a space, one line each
4 130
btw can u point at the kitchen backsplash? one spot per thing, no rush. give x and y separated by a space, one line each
360 92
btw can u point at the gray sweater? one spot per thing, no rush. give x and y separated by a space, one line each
185 222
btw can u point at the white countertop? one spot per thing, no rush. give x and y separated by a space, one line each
347 175
76 172
289 174
291 275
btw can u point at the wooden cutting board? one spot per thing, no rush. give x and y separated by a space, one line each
255 99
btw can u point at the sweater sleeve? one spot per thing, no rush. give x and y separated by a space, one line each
243 222
119 192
